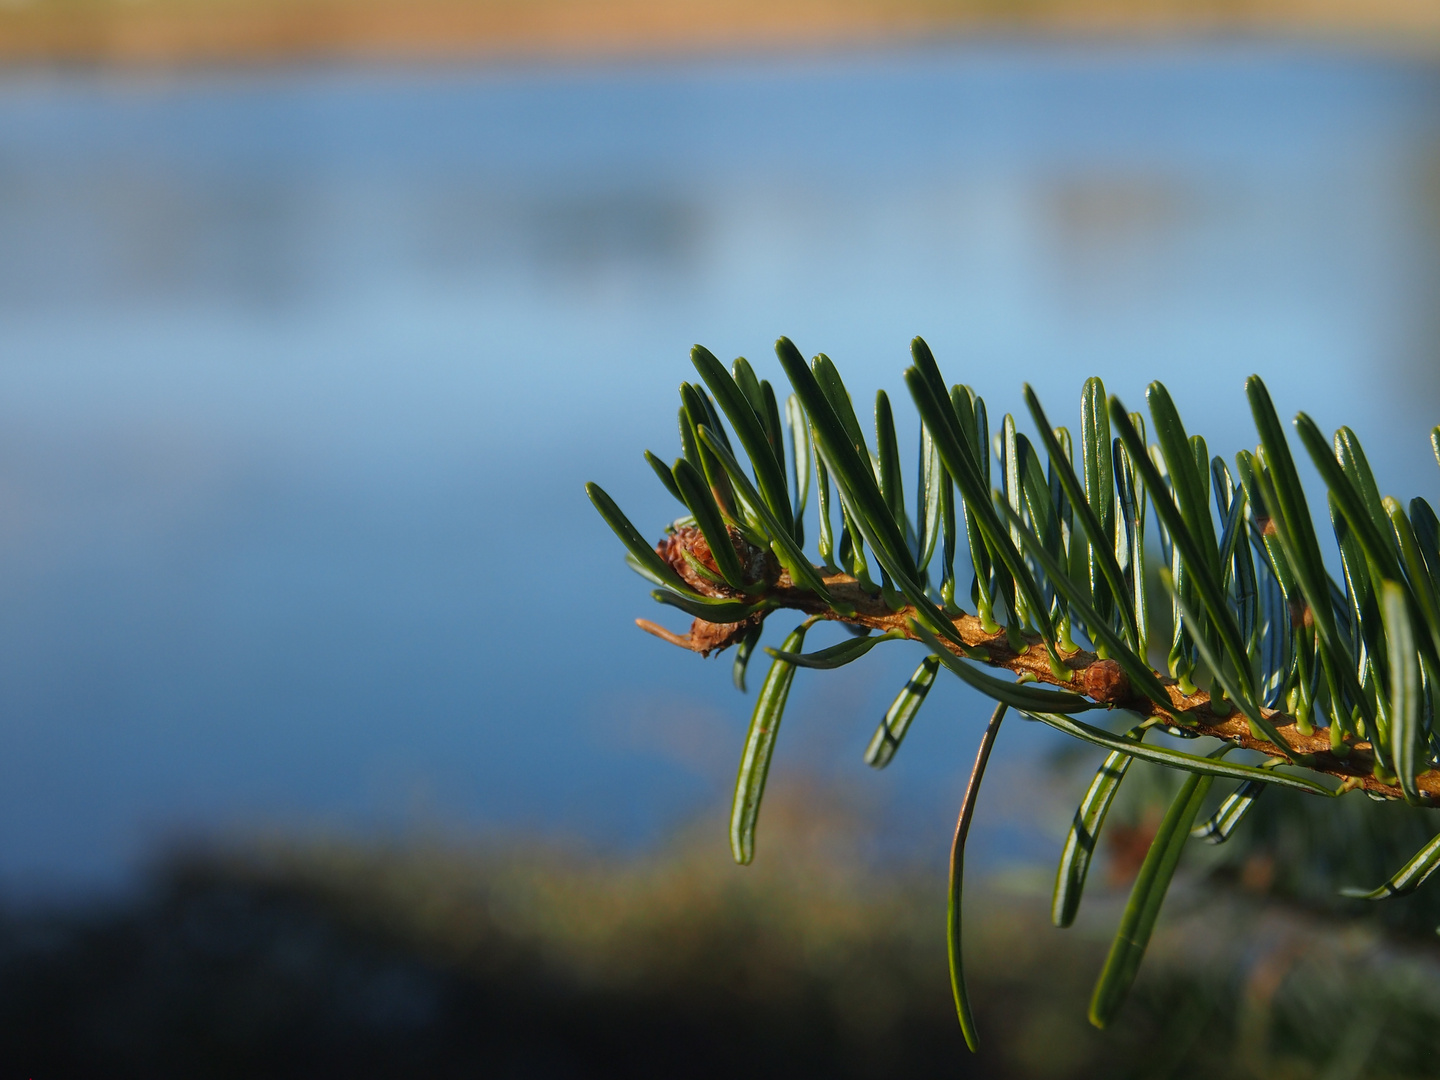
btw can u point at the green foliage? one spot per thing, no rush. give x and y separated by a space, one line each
954 902
1138 920
1089 819
897 719
759 748
1056 540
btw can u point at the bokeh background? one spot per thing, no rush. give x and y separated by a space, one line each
326 738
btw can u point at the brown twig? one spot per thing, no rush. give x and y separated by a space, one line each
1101 680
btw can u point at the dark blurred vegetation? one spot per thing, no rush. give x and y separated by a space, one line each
318 959
148 31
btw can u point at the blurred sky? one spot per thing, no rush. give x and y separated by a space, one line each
302 372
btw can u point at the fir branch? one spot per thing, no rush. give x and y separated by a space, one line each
1331 682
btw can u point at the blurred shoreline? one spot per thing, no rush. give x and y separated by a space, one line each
301 958
142 33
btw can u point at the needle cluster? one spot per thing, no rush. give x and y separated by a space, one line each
1324 685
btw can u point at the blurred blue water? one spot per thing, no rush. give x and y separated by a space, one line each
301 375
